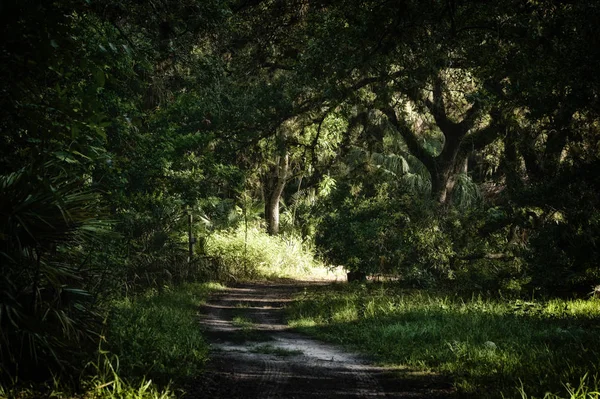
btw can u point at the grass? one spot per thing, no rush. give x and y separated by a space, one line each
157 335
247 331
243 322
259 255
491 348
150 341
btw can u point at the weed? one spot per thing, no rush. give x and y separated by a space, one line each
151 337
247 332
106 383
157 335
243 323
583 390
103 381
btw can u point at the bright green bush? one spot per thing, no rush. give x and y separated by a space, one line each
254 253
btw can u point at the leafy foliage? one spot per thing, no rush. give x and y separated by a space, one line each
156 335
46 309
253 253
443 143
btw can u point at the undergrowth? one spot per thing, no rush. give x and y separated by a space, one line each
254 254
491 348
150 342
156 335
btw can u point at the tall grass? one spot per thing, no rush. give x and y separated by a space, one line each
255 254
491 348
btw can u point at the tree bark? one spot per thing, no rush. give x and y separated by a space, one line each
273 189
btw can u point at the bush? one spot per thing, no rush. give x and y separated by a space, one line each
386 235
424 245
48 317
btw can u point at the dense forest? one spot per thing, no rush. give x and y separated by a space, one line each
442 145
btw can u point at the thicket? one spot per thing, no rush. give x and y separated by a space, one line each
95 188
253 254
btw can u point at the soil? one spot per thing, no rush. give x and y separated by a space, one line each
256 355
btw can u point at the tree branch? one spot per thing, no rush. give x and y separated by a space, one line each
483 137
437 107
477 256
410 139
470 118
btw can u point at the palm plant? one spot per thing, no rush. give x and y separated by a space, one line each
45 311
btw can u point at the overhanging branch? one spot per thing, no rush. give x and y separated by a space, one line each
410 139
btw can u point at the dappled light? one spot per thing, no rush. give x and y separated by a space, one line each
255 353
482 341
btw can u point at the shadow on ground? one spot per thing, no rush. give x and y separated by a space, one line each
255 355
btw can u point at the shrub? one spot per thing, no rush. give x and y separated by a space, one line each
386 235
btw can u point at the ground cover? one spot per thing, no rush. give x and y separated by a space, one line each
255 355
491 348
150 341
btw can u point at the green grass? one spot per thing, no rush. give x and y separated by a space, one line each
150 341
157 335
247 331
490 348
259 255
103 381
243 322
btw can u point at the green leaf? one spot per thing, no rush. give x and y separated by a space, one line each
74 131
99 76
66 156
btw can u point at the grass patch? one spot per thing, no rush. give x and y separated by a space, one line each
275 350
150 340
491 348
157 335
247 331
97 387
259 255
243 323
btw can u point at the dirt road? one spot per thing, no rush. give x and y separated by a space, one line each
255 355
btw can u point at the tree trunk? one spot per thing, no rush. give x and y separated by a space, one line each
272 215
447 166
273 189
439 186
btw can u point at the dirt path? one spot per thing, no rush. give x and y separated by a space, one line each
255 355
